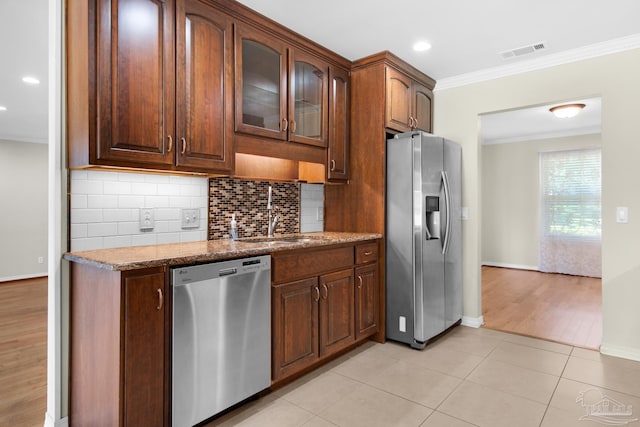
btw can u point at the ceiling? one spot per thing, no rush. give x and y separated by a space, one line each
23 45
467 37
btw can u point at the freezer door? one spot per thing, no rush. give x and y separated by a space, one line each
453 255
429 260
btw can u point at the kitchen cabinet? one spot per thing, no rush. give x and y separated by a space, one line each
408 103
360 206
322 303
281 93
338 151
149 85
118 346
367 312
295 326
336 311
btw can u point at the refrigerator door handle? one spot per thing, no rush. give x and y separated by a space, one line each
447 204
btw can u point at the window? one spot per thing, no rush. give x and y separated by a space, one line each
570 214
570 192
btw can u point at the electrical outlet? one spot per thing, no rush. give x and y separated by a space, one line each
146 219
319 214
40 260
190 218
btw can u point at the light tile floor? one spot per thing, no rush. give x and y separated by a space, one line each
469 377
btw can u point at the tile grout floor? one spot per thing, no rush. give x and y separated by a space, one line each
468 377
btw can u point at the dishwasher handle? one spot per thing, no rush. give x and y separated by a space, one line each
227 272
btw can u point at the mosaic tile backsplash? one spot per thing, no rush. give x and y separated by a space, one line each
248 200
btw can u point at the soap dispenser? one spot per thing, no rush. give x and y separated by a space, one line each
234 228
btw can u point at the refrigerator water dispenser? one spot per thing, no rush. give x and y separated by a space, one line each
432 204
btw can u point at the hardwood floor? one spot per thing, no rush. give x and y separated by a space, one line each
556 307
23 352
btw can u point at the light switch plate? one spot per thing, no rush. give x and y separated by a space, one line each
464 213
622 215
146 219
190 218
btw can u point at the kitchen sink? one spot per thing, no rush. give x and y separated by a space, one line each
277 240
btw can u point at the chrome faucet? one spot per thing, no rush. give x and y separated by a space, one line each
272 221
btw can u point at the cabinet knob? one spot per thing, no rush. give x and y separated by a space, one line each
412 123
317 298
285 124
359 281
184 145
333 165
160 299
170 143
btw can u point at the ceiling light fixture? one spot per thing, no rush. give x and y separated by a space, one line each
567 110
31 80
421 46
3 108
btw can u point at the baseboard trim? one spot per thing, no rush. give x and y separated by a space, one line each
620 351
50 422
514 266
23 277
472 322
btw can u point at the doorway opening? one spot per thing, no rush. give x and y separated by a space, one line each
522 291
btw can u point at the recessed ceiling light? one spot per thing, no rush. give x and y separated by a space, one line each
3 108
31 80
421 46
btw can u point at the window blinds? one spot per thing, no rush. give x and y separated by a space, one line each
570 192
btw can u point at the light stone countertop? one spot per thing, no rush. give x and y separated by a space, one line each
175 254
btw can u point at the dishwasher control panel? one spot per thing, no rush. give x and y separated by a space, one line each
197 273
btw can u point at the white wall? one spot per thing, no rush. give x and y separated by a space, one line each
613 77
23 212
511 198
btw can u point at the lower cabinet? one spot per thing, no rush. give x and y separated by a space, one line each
117 347
322 302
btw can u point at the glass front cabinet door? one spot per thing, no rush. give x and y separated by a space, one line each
280 93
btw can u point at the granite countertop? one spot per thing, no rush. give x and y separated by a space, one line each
174 254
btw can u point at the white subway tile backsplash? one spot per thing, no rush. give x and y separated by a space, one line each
117 187
102 201
102 229
105 208
311 200
78 231
131 202
84 216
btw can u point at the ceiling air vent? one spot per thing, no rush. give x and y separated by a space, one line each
524 50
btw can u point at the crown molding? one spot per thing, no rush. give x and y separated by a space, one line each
572 55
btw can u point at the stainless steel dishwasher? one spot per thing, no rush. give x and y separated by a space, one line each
221 336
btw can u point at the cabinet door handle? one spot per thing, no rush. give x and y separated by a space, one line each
317 298
184 145
367 253
293 126
170 143
412 123
326 291
333 165
359 281
285 124
160 299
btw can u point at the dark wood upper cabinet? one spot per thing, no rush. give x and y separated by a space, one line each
260 84
134 91
204 112
338 143
149 85
408 103
281 93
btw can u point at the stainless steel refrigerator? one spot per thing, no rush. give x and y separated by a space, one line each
423 237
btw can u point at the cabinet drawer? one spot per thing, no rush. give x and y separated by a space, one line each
299 265
367 252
